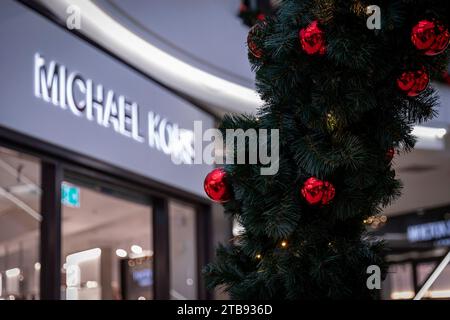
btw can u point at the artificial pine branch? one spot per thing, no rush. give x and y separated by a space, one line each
291 249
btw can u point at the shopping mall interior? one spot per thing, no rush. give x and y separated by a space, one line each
126 224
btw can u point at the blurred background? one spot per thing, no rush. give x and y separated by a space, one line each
95 209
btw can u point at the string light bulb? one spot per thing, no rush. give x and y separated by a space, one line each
375 221
284 244
258 256
331 121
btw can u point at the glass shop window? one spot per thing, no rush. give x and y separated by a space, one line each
20 217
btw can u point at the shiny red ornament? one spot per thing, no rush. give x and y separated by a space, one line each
312 39
390 154
413 82
430 37
316 191
216 186
253 34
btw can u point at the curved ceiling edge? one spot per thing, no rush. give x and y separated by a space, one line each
215 93
115 9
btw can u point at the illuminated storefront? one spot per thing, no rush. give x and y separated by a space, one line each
418 245
99 196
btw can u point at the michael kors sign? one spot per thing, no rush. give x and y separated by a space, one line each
69 90
82 103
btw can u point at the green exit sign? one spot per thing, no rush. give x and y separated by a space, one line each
70 195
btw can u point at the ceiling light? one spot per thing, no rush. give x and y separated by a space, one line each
402 295
429 132
439 294
12 272
121 253
136 249
76 258
91 284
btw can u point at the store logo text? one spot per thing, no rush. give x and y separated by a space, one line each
70 90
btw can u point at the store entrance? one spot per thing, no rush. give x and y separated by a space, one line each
75 233
107 249
20 220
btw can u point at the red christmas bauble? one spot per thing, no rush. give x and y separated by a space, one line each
390 154
312 39
253 34
216 186
413 82
316 191
430 37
